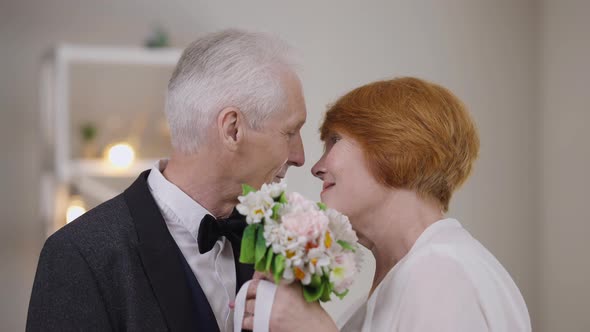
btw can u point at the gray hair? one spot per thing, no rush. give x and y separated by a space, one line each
230 68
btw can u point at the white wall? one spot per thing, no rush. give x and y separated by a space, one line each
485 51
565 160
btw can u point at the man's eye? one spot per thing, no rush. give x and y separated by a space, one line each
334 139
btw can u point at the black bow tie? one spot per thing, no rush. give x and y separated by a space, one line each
212 229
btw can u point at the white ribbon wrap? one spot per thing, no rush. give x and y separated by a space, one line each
265 295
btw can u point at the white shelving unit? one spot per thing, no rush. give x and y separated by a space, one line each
101 168
59 168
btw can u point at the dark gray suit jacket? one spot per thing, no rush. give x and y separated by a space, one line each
117 268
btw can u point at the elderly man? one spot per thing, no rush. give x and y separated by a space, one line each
155 258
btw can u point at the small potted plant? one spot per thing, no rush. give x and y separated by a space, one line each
89 146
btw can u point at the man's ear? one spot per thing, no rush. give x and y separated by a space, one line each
230 127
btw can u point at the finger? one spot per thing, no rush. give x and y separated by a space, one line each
263 275
259 275
248 323
286 283
250 306
251 293
232 305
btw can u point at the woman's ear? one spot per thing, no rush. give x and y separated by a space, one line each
230 127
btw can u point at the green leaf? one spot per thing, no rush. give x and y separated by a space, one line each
248 244
330 285
283 198
346 245
341 295
275 211
322 206
312 294
246 189
327 290
269 258
260 265
278 198
316 281
278 267
260 249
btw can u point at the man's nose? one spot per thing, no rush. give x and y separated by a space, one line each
297 153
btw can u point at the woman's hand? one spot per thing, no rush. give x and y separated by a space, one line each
290 311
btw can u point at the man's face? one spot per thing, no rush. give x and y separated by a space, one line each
277 145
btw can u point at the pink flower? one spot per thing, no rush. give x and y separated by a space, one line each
309 224
298 202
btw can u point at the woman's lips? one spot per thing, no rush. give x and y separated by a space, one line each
327 186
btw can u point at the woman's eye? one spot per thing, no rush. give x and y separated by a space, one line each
334 139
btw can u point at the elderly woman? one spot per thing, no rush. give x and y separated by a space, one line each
395 152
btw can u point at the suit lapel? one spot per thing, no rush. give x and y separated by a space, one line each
161 258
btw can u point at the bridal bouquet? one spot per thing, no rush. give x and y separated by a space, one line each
296 239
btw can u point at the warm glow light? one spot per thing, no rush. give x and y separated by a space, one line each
121 155
75 209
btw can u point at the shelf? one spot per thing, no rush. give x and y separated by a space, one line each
117 55
61 170
101 168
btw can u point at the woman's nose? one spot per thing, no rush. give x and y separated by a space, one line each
318 169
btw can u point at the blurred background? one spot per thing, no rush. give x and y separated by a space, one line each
521 66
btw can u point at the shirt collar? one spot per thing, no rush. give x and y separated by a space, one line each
182 207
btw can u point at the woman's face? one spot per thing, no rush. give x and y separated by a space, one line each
349 186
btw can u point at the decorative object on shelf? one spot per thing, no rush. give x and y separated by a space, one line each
90 149
120 155
158 38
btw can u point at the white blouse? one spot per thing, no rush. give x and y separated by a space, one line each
447 282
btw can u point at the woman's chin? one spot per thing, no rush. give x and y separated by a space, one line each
326 199
336 205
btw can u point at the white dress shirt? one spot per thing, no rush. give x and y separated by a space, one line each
447 282
215 270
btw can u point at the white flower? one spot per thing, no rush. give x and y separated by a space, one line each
301 273
318 260
295 257
288 275
359 258
255 206
271 232
341 227
283 241
343 271
274 190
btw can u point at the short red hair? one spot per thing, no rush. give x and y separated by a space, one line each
416 135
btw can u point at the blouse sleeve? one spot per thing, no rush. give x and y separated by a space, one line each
439 296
